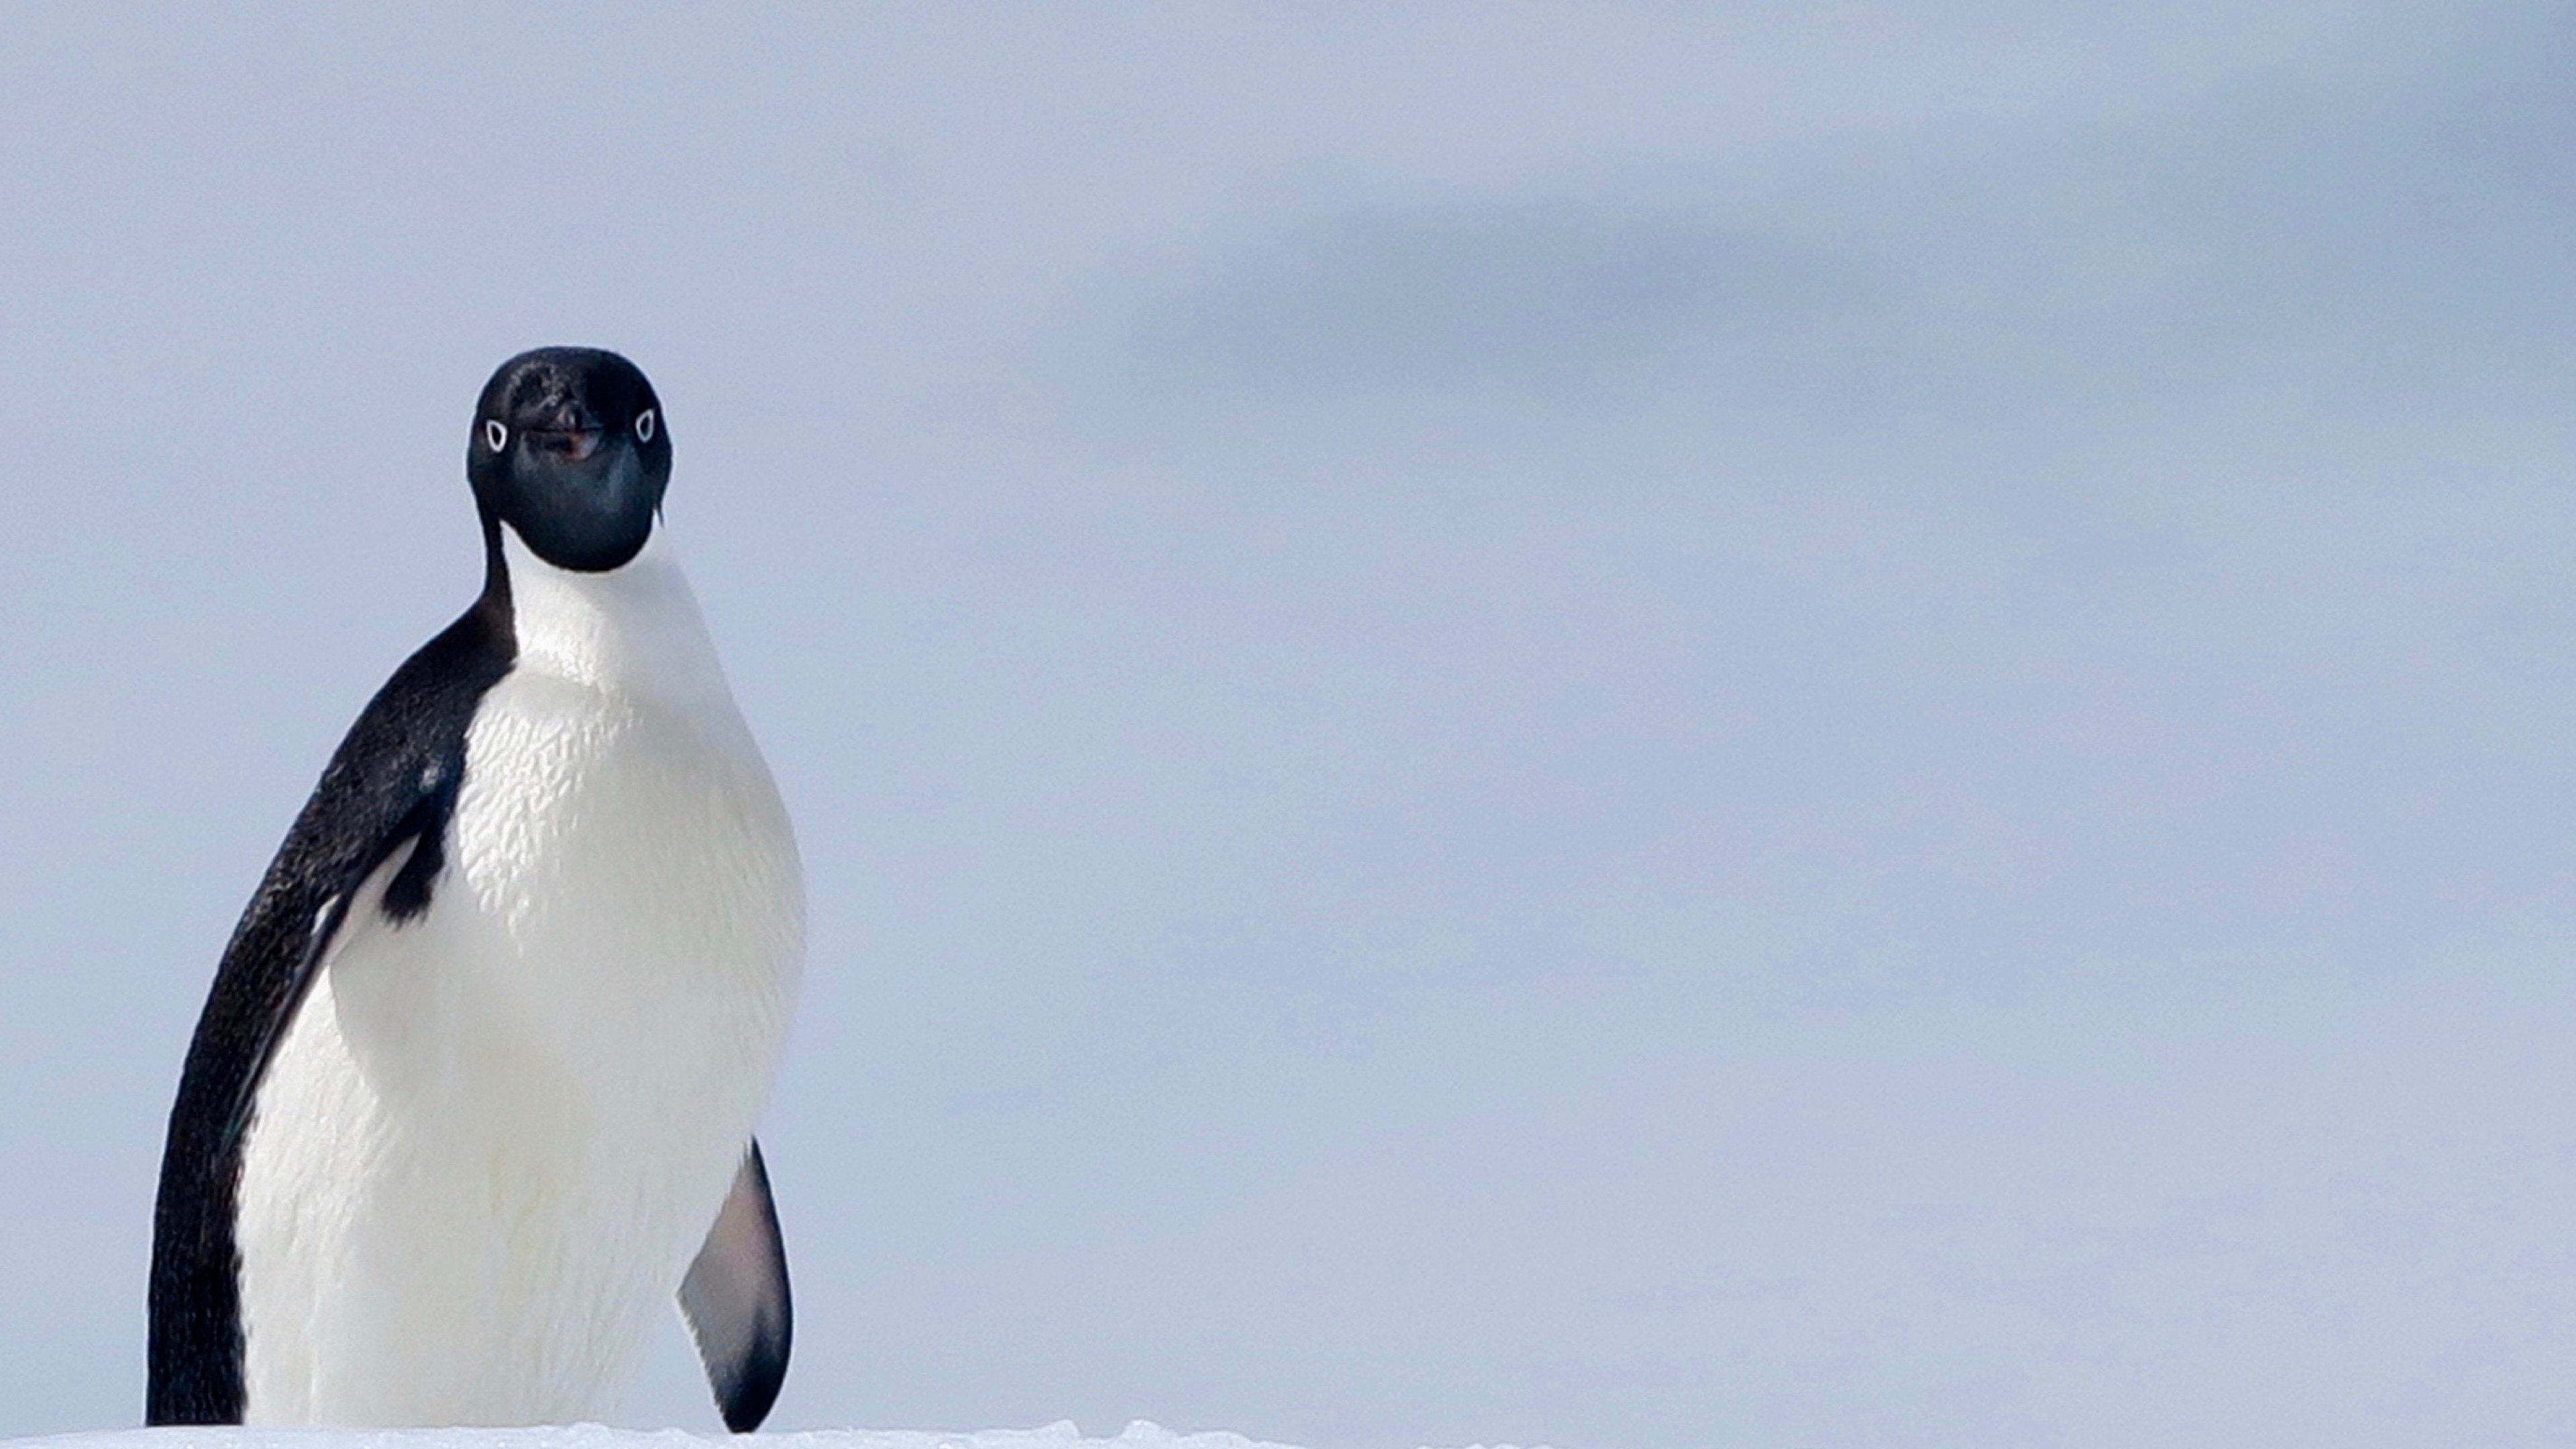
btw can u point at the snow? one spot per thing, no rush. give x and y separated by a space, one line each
1061 1435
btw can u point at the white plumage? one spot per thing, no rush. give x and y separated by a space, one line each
493 1137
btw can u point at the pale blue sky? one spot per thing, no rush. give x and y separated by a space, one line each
1828 727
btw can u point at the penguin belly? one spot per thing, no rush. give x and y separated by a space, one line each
495 1134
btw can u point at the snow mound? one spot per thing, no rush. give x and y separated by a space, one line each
1061 1435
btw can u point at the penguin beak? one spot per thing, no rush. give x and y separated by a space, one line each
572 446
572 435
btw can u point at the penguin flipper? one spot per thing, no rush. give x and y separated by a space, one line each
370 842
735 1299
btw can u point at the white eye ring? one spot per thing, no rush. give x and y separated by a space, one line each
495 434
644 426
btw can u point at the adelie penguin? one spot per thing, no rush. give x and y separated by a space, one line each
473 1096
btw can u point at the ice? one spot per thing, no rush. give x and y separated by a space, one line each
1063 1434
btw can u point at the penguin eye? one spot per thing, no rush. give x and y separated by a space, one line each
494 434
644 426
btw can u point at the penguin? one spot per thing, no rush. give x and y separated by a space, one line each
473 1093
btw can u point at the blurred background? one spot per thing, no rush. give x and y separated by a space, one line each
1818 725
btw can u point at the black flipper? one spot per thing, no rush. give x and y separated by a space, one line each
735 1299
389 789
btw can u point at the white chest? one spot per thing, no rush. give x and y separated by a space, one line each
494 1136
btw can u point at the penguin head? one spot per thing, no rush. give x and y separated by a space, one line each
570 451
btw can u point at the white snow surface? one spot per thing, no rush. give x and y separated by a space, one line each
1063 1434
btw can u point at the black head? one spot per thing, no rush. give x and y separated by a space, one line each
570 451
